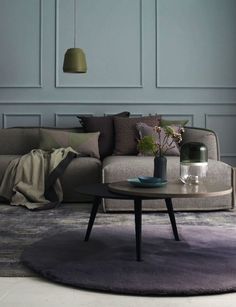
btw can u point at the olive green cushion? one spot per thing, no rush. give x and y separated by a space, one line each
83 143
166 122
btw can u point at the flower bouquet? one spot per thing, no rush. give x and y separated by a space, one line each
159 142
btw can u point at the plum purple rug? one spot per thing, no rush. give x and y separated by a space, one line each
203 262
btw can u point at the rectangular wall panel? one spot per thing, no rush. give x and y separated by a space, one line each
21 120
225 126
110 33
196 43
65 120
131 115
21 43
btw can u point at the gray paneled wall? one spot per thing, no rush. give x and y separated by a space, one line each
20 34
175 58
111 33
196 43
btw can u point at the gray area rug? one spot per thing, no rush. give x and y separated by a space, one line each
19 227
202 262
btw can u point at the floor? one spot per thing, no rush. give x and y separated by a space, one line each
36 292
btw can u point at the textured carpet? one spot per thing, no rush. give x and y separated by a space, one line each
203 262
20 228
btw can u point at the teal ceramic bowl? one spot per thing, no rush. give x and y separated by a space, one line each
147 179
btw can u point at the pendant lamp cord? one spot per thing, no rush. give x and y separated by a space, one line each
74 23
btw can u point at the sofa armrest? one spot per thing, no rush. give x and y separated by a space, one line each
234 187
205 136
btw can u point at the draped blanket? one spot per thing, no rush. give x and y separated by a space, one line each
33 179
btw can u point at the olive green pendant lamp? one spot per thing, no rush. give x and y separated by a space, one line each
75 60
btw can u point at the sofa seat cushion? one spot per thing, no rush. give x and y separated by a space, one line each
82 170
117 168
4 161
18 141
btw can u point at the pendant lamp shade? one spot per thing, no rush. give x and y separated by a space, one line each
75 61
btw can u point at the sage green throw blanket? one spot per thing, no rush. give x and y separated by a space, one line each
33 179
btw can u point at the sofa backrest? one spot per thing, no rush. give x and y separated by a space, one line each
20 140
205 136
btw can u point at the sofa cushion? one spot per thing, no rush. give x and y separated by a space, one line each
105 125
167 122
117 168
82 170
204 136
126 134
171 148
4 161
18 141
84 143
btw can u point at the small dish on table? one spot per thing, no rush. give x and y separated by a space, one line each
148 179
147 182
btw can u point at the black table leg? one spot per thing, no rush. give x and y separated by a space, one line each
96 203
138 226
172 217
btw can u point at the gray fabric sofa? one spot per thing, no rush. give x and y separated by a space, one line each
116 168
18 141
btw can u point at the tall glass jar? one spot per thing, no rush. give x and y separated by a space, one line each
193 162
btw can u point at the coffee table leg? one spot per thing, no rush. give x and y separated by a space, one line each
96 203
138 226
172 217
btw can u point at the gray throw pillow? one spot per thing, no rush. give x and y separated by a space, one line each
145 130
126 134
83 143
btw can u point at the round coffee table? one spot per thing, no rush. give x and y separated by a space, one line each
175 189
123 190
170 190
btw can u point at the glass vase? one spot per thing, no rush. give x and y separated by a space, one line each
193 163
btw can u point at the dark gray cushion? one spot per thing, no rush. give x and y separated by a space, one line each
105 125
126 134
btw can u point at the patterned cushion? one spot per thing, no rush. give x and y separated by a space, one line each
83 143
145 130
105 125
126 134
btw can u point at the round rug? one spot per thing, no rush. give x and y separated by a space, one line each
203 262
